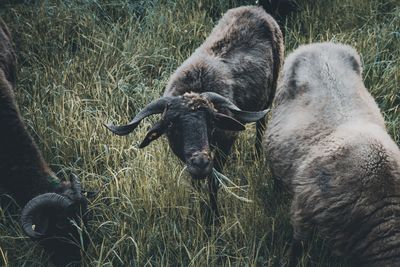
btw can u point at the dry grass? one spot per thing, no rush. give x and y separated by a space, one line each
86 62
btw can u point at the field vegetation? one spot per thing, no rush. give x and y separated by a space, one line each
82 63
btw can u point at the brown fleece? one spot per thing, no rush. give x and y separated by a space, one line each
23 172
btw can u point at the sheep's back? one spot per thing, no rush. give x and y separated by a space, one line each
325 80
7 56
320 89
240 60
348 188
249 41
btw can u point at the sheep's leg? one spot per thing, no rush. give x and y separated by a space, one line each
209 210
200 187
302 230
213 186
260 128
223 148
295 253
279 186
213 215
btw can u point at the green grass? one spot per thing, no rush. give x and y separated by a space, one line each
86 62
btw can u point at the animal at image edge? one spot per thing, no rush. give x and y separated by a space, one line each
49 204
326 142
235 69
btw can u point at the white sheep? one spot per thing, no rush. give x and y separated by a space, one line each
327 142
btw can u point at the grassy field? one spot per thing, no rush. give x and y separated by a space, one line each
86 62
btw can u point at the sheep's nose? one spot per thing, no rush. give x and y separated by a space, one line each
200 165
201 161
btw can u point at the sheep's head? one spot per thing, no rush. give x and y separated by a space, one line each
189 121
56 220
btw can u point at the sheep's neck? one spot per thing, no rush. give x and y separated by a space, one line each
23 172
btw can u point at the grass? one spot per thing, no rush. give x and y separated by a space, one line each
86 62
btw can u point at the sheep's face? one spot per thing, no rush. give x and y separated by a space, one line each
65 240
189 121
56 220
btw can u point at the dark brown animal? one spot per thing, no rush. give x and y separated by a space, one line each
235 69
327 142
49 204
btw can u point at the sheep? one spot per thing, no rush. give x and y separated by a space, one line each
326 142
49 204
235 69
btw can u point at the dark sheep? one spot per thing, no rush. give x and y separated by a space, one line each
49 204
327 142
235 69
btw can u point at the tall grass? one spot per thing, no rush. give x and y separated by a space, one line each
86 62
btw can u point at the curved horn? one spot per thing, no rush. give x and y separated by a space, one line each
48 203
219 100
155 107
243 116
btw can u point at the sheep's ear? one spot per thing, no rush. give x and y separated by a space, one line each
225 122
154 133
